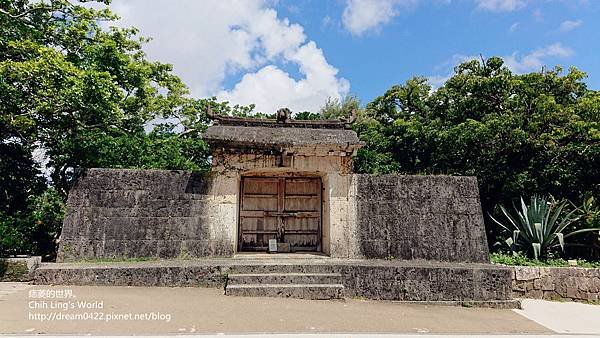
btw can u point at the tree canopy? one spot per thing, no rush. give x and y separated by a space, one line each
536 133
83 94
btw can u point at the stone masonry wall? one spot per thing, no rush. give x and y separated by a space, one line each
555 283
418 217
115 213
427 281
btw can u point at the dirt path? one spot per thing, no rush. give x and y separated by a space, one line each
200 310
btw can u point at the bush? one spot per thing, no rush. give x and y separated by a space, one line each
35 231
588 245
47 213
13 230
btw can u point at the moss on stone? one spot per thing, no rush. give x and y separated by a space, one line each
11 271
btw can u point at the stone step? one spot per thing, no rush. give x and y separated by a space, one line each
283 268
457 283
284 278
304 291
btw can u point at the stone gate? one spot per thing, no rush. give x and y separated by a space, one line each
281 185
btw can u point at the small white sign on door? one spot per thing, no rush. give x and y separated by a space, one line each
272 245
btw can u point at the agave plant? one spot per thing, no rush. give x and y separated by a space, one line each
538 227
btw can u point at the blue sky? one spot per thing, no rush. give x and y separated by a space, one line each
299 53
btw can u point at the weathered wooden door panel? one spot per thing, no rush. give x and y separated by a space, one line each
272 207
303 197
256 228
303 233
257 231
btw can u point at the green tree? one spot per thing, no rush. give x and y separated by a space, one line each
536 133
80 91
86 96
335 109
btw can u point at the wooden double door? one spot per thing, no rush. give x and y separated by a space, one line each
287 208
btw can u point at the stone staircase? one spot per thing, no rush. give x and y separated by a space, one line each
290 281
425 282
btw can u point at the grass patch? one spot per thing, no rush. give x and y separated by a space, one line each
520 260
13 271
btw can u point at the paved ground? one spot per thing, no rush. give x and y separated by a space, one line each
7 288
120 310
563 317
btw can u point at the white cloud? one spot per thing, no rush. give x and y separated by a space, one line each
437 81
500 5
267 86
536 59
569 25
538 15
361 16
326 21
513 28
517 63
455 60
208 41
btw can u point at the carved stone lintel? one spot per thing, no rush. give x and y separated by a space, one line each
283 115
283 119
